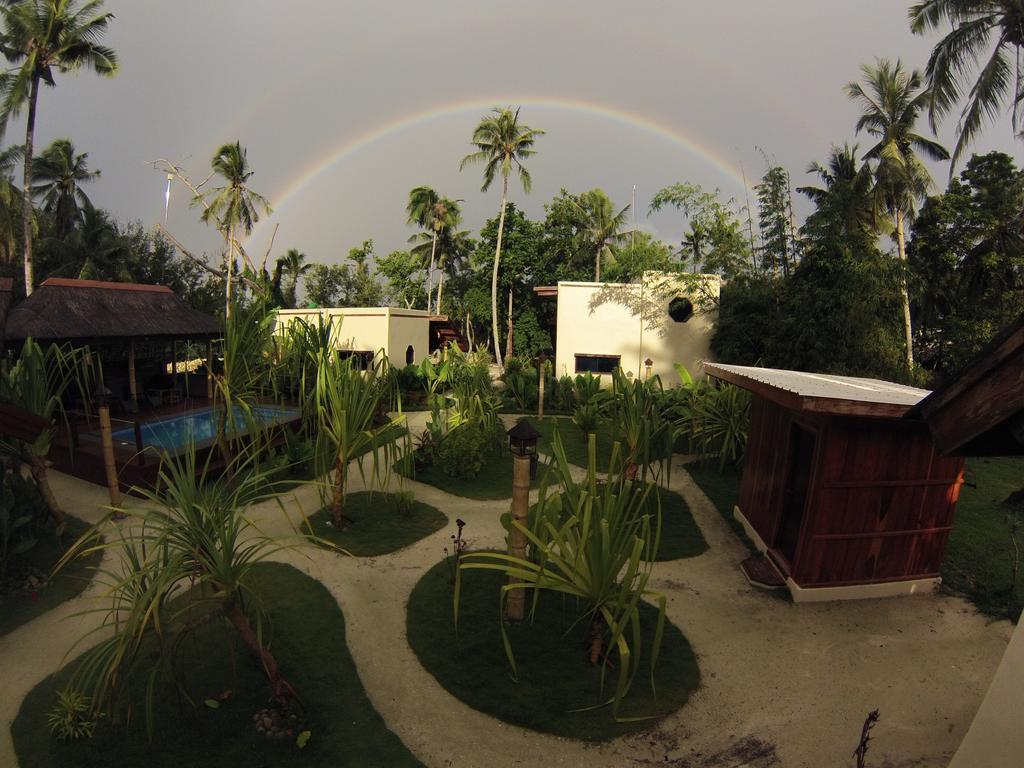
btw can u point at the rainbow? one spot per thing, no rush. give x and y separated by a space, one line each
349 147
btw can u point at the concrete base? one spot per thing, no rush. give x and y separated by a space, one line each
853 592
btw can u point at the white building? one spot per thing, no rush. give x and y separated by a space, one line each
401 334
666 319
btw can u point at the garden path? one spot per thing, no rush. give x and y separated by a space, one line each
782 684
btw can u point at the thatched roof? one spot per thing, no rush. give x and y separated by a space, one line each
63 309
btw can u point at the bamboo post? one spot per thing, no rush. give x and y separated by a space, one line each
108 455
515 607
133 387
209 369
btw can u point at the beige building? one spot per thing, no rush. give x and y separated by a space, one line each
666 319
401 334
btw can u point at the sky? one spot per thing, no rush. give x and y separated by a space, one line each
344 107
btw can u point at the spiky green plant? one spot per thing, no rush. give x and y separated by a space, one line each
594 541
637 423
183 557
36 381
349 403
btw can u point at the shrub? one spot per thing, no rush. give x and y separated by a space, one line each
464 449
71 719
23 515
587 389
587 417
523 387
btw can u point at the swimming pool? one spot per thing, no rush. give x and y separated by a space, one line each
174 433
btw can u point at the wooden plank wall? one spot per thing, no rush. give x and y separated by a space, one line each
764 466
882 506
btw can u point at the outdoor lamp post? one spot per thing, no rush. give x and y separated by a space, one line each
648 364
522 439
102 397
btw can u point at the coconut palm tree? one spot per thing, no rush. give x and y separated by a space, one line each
502 144
232 206
293 265
984 35
847 195
38 37
444 241
602 227
892 99
60 174
434 214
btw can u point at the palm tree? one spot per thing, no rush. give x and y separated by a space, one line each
10 203
40 36
602 227
502 144
435 214
232 205
445 243
60 174
892 100
973 25
847 197
293 265
453 246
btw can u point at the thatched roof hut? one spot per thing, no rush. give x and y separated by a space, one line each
62 309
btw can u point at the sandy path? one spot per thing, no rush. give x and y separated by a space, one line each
782 684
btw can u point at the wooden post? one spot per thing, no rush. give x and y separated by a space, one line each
515 606
209 369
133 387
108 456
174 364
542 365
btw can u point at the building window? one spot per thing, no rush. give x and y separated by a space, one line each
361 361
410 355
597 363
680 309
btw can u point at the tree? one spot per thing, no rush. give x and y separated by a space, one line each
403 271
602 227
38 37
60 174
232 206
448 243
325 283
775 220
293 266
361 289
715 240
892 100
846 204
973 25
502 144
10 203
641 252
434 214
966 259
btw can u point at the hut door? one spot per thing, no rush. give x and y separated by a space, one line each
798 476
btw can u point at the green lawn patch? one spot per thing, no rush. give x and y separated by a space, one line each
722 487
979 557
493 482
21 607
307 631
680 535
554 675
379 526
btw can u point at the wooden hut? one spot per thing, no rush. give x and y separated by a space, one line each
115 320
845 497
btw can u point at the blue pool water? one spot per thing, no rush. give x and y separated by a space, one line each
199 427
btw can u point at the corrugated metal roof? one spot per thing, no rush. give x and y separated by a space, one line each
826 386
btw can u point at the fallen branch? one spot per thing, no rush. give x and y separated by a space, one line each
862 747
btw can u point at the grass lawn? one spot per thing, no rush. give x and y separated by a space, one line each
979 555
307 631
573 440
379 526
555 677
722 487
17 609
493 482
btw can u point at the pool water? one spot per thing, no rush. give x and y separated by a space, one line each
198 427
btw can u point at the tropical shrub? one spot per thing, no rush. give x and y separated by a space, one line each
587 389
523 387
639 424
22 515
185 558
588 417
71 718
712 417
594 541
464 449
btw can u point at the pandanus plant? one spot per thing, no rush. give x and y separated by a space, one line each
637 422
184 557
36 381
594 541
350 404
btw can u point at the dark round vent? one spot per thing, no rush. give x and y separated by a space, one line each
680 309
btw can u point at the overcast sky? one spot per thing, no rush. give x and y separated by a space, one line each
345 106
